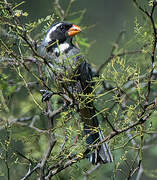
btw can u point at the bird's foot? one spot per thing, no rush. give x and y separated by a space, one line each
46 95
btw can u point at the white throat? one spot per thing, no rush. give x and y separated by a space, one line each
62 48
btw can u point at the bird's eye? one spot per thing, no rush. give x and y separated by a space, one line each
62 28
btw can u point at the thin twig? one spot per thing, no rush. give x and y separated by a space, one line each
30 172
112 127
52 142
150 17
114 56
117 132
60 168
117 42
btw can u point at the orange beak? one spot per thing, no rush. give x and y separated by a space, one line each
74 30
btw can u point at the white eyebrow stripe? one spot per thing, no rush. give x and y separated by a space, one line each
55 27
48 39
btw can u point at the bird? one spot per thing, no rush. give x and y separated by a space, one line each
64 56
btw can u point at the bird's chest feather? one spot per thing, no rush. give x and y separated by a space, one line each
63 68
64 58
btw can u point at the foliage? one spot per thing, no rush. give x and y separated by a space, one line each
43 140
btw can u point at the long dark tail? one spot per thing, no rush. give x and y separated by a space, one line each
94 135
102 154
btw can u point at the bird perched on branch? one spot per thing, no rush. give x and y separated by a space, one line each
65 58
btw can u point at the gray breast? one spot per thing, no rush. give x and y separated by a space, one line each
62 62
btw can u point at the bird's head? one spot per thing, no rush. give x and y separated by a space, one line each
61 32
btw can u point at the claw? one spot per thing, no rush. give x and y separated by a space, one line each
46 95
